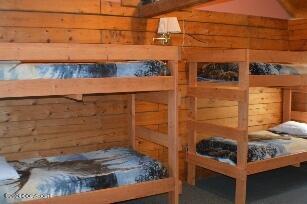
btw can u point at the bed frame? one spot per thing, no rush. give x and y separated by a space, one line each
240 92
160 89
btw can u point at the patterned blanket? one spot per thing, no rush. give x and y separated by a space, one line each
230 71
25 71
225 150
76 173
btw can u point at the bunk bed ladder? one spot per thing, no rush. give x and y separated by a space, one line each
240 133
168 140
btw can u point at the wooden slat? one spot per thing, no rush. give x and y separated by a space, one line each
71 6
277 81
153 97
273 56
239 55
218 130
206 55
151 135
84 52
300 116
51 87
49 35
216 93
299 89
214 165
122 193
72 21
274 163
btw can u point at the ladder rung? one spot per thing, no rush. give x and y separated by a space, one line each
231 94
218 130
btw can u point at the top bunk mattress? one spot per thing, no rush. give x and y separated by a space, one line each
77 173
29 71
230 71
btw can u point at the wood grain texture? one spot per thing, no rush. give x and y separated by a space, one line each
166 6
24 121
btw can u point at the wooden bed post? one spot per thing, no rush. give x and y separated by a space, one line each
192 131
131 120
287 102
173 162
242 147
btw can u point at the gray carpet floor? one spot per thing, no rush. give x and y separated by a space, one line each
283 186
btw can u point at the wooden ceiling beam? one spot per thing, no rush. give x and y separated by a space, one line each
296 8
165 6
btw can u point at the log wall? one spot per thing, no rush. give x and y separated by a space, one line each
298 41
57 125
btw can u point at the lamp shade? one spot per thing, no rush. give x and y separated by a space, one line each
169 25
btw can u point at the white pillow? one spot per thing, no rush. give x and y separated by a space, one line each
292 128
7 171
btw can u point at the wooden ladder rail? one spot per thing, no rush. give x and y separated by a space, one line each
288 114
242 145
192 131
242 96
169 140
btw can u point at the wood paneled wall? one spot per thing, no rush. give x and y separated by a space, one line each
57 125
298 41
298 34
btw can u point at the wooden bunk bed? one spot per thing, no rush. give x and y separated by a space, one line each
239 91
160 89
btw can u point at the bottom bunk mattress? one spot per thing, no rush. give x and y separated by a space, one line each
261 148
76 173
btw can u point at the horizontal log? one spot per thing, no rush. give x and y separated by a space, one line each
217 93
75 21
45 142
216 166
55 87
238 55
166 6
84 52
153 97
67 6
299 116
62 151
151 135
277 162
154 136
105 196
298 45
278 81
206 55
271 56
220 131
